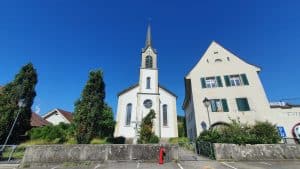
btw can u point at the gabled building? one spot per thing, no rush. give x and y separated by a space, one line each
232 89
37 121
135 102
57 116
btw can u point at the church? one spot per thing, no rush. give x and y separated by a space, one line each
136 101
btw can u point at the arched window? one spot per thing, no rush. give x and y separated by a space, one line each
165 115
128 113
148 61
148 83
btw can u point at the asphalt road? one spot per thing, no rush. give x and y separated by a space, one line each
204 164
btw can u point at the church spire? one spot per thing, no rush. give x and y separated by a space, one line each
148 37
148 42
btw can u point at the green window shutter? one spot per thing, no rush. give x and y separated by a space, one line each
225 106
244 79
220 84
227 82
203 84
239 104
242 104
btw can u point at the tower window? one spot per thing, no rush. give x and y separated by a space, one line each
148 82
165 115
128 114
149 61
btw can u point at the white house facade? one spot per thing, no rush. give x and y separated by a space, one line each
234 91
135 102
57 116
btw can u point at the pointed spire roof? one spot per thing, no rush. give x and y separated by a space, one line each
148 42
148 37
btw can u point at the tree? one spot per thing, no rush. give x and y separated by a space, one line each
146 133
181 123
89 107
22 87
107 122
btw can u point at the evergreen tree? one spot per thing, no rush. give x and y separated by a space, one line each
23 87
107 122
146 133
89 107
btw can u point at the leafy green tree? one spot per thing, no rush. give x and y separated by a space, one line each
107 122
89 107
22 87
146 133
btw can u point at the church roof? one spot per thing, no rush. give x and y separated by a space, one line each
128 89
167 90
136 85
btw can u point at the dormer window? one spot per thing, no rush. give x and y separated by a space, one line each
149 61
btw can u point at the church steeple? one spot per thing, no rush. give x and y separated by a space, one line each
148 37
148 42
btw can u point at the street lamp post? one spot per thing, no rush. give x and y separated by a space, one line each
206 103
21 104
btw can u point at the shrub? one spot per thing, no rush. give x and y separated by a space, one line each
55 134
237 133
265 132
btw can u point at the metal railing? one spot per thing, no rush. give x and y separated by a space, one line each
7 152
206 149
290 141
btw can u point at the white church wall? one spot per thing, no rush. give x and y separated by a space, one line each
171 130
153 74
121 128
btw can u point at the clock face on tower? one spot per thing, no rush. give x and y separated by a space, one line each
148 103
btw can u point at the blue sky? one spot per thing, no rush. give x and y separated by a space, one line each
66 39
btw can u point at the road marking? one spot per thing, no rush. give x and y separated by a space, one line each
265 163
54 167
227 165
179 165
97 166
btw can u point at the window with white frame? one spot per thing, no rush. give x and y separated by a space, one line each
235 80
219 105
211 82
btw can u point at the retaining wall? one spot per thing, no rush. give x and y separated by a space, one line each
43 154
257 152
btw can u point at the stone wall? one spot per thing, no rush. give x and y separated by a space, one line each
43 154
257 152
